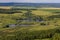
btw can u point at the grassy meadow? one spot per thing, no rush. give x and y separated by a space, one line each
29 24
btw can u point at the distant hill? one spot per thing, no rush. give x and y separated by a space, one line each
32 4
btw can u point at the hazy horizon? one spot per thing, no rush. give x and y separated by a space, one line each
30 1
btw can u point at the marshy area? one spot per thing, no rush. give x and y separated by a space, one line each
29 24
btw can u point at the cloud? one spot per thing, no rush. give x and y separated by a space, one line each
32 1
6 0
38 1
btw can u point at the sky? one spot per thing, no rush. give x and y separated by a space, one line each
32 1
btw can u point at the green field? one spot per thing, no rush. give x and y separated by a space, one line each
29 24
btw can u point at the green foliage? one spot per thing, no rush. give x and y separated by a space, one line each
56 36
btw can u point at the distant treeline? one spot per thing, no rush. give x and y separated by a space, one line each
13 10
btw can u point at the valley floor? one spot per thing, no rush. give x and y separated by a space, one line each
29 24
